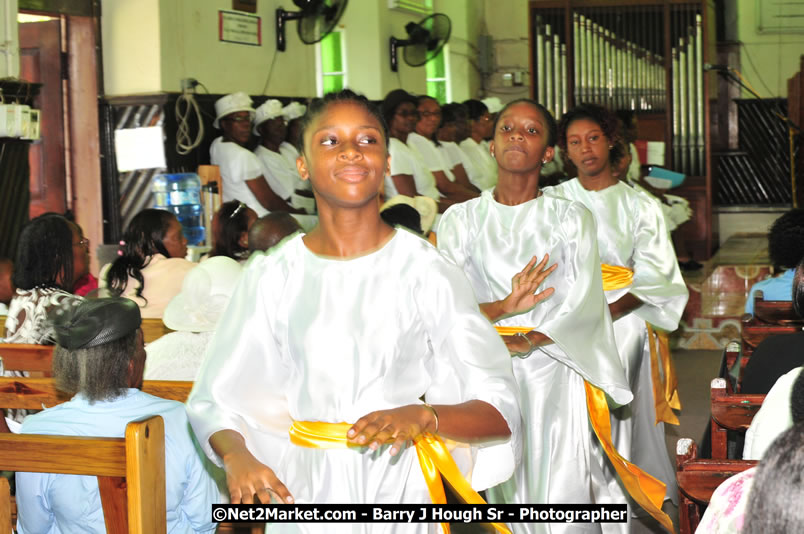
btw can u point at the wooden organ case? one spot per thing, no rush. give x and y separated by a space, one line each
645 56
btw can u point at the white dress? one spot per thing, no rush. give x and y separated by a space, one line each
332 340
276 170
290 154
405 160
432 157
631 233
481 168
491 242
239 165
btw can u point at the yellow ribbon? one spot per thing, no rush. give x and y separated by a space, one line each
434 459
616 277
646 490
665 394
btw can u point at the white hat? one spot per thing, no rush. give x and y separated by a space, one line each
205 293
493 104
294 110
426 207
232 104
270 109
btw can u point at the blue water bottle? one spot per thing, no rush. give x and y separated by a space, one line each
182 194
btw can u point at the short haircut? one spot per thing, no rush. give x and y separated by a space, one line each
141 241
774 501
228 224
270 229
45 254
604 118
476 108
100 373
786 240
549 120
319 105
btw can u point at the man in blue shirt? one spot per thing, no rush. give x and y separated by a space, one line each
100 357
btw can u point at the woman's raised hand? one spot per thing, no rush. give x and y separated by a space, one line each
397 426
524 284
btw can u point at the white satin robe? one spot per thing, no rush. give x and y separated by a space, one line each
491 242
631 232
332 340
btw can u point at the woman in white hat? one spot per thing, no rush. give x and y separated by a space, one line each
269 125
193 314
241 170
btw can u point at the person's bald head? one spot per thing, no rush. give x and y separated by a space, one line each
270 229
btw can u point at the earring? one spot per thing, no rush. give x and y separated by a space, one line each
611 146
544 162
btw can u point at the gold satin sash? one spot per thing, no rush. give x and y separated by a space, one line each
434 459
645 489
665 394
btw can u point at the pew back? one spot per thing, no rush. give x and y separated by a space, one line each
130 471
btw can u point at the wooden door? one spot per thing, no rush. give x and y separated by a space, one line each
41 62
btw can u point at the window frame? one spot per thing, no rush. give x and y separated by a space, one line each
319 67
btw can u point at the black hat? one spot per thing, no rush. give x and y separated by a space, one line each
89 323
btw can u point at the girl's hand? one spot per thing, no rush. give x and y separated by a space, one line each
246 477
524 284
396 426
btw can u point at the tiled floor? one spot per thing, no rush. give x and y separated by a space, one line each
695 370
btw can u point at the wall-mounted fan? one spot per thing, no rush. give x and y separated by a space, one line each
316 19
425 40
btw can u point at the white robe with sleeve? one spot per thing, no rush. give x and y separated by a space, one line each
405 161
631 233
491 242
325 339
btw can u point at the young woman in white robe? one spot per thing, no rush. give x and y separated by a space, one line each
631 233
346 329
566 347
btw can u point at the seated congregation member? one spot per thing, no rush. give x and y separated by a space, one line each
453 129
230 226
778 354
193 314
773 418
242 173
480 128
641 278
7 289
151 266
409 174
51 256
99 358
292 113
269 230
747 501
422 222
284 179
450 176
786 250
366 336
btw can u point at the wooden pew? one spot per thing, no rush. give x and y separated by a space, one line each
153 329
697 480
36 359
130 471
38 393
729 412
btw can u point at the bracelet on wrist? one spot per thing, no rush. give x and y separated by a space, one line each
531 346
435 416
